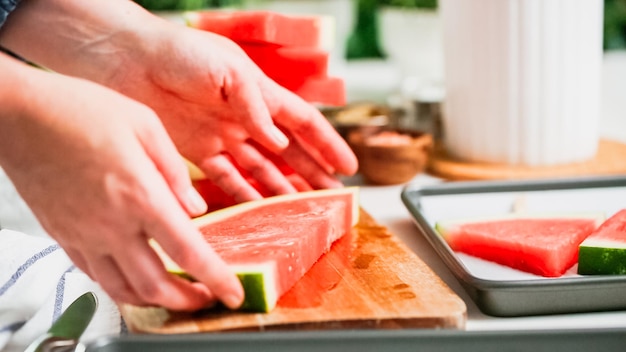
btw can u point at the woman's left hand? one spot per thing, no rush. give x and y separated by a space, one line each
224 114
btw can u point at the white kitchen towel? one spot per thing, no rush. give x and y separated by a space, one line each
37 283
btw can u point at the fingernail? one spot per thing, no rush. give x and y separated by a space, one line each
280 137
233 300
335 184
196 202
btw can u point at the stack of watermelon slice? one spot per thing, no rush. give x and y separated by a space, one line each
290 49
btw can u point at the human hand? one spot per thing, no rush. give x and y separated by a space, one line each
100 173
216 104
228 118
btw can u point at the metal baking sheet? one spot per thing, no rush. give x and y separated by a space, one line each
374 340
503 291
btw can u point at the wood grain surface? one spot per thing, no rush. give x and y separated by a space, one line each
610 159
369 279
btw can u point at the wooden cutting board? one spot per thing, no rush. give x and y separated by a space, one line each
609 160
369 279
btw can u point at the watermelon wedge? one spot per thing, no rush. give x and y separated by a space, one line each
604 251
545 245
265 27
271 243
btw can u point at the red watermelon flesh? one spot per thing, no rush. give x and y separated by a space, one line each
217 199
324 91
260 27
290 49
542 246
286 235
283 236
295 64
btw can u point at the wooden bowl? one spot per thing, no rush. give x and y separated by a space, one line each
366 116
391 156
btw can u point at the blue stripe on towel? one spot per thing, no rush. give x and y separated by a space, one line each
60 292
20 271
13 327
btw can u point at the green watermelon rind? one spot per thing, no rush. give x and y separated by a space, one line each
259 295
602 257
256 279
258 282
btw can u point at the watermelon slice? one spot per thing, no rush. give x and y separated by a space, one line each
545 245
271 243
265 27
604 251
288 63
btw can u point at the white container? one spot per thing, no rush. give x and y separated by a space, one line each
523 80
412 40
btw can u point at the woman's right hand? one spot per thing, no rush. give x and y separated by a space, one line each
102 176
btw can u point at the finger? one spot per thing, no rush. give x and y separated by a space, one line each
112 280
255 116
171 165
309 169
262 169
308 125
155 285
187 247
225 175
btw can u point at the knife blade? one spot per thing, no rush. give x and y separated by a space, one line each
65 333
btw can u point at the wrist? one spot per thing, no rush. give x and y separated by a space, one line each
13 89
19 96
88 39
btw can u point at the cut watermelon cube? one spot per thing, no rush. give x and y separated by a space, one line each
264 27
545 245
288 63
604 251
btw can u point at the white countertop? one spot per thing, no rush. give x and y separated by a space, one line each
385 205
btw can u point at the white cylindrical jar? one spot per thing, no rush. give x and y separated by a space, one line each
523 80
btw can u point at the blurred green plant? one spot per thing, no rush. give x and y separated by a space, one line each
184 5
614 24
423 4
363 42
